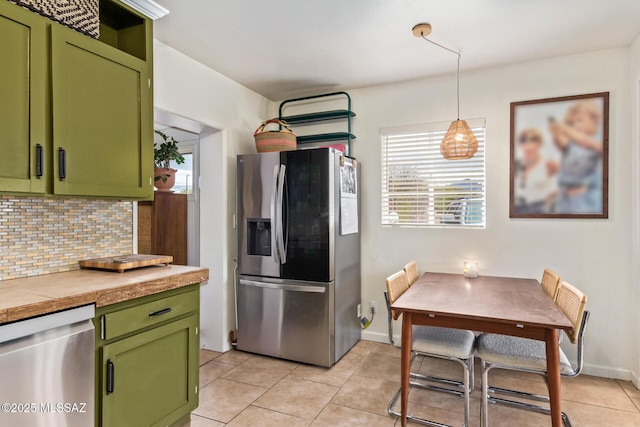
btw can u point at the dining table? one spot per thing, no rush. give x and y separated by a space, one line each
502 305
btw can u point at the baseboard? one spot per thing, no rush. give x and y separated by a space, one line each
607 372
635 379
379 337
220 349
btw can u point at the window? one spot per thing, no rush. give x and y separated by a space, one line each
188 170
184 174
422 189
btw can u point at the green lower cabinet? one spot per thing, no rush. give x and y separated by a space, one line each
148 377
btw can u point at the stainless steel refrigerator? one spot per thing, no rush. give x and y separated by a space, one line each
298 255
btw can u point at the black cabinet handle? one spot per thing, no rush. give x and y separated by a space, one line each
62 163
38 161
160 312
111 372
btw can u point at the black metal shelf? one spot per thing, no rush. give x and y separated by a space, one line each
326 137
321 116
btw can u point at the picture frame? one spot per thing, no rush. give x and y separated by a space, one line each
559 157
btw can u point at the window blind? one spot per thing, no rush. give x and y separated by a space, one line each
420 188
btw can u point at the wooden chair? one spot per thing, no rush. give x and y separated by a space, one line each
550 281
411 270
522 354
443 343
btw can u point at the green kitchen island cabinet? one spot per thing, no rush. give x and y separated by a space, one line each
77 112
147 356
23 74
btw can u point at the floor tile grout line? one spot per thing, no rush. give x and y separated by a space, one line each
258 397
226 364
627 392
280 412
602 406
359 409
205 417
271 410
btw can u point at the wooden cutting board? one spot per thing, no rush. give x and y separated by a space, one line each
125 262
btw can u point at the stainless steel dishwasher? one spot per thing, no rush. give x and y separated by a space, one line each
47 370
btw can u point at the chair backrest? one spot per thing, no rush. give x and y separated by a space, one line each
397 284
411 270
550 281
572 302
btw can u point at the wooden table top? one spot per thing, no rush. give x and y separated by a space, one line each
497 299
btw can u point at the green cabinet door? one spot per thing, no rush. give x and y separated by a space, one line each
151 379
23 75
102 119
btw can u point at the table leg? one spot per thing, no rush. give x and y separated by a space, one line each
405 365
553 376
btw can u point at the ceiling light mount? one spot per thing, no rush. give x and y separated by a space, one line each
422 29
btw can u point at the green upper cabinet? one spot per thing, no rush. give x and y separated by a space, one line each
102 119
77 113
23 77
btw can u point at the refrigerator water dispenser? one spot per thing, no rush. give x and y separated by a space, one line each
259 236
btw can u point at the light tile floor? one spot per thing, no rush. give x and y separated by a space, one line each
240 389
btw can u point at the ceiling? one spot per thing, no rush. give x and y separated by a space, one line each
180 135
288 48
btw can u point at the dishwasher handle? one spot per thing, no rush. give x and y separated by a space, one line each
111 373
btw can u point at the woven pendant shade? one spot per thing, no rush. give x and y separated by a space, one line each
459 142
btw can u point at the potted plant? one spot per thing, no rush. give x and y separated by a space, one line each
163 154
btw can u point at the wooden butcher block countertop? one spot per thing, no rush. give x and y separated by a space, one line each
34 296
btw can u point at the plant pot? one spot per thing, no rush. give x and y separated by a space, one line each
164 179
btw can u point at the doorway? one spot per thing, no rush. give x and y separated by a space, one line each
187 180
210 199
187 133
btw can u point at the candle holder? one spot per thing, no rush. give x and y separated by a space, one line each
470 269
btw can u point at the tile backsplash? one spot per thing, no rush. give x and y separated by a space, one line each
42 235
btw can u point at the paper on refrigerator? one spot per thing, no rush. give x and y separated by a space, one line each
348 197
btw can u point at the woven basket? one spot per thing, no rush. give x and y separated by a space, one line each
274 140
81 15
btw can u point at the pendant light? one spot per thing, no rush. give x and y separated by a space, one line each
459 142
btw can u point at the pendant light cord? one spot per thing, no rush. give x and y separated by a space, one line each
458 73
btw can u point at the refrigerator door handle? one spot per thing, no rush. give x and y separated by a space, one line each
284 287
280 233
274 217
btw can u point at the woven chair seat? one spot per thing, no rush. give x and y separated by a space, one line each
518 353
446 342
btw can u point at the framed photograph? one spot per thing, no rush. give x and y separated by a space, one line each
559 157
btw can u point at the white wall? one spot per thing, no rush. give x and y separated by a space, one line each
595 255
230 112
635 199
